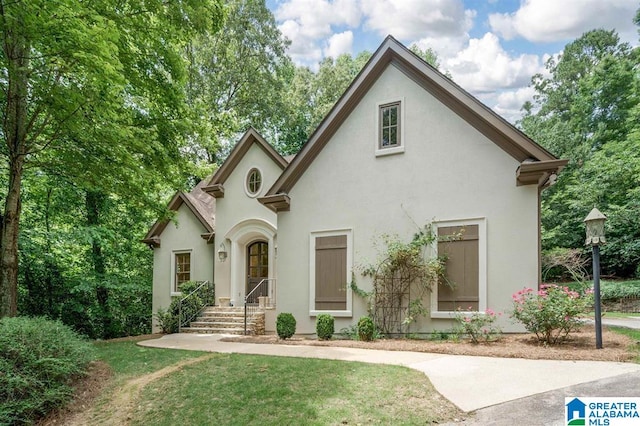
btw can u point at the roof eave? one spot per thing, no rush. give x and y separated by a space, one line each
277 202
540 173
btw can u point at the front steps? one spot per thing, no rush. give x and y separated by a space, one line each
226 320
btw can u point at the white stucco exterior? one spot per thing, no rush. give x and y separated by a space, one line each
448 171
242 220
181 235
457 164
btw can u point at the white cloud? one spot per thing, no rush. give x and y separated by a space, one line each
553 20
411 19
484 66
307 22
509 103
339 44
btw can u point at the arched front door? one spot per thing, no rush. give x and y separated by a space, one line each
257 270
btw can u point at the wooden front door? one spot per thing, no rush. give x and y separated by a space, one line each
257 269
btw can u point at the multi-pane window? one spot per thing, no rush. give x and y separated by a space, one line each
390 125
183 269
254 181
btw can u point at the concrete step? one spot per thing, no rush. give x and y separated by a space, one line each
218 324
225 320
213 330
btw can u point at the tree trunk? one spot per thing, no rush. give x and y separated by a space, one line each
95 202
16 50
9 245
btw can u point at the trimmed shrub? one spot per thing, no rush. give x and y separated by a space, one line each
325 326
478 326
366 329
552 312
285 325
39 359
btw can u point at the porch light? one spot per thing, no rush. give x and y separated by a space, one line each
595 236
222 252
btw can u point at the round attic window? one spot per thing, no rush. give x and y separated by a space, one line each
254 182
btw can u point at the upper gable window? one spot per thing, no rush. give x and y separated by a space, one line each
390 128
254 182
390 125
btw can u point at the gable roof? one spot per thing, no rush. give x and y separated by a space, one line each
199 203
391 52
215 187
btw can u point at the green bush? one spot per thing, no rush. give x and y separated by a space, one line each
552 312
478 326
285 325
39 359
168 318
615 290
325 326
366 329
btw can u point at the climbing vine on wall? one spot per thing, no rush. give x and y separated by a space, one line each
402 277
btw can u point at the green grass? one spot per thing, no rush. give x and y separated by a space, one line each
619 314
635 336
230 389
127 359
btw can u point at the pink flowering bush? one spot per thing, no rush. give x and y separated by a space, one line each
478 326
552 312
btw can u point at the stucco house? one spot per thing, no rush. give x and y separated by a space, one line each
404 145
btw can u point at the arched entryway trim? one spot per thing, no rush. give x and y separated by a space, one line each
241 236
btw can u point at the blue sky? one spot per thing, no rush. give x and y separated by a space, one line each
491 48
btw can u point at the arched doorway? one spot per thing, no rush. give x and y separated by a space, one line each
257 270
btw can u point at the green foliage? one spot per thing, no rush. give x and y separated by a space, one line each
325 326
226 72
167 319
285 325
586 110
366 329
402 277
477 326
199 297
615 290
552 312
39 359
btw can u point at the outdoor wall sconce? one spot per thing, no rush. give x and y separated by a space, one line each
595 236
222 252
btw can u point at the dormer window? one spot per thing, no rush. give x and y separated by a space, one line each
254 182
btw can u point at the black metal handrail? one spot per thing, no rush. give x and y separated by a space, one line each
205 294
251 305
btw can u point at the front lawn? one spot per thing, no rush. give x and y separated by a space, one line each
167 387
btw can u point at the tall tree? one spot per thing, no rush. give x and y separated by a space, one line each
586 111
91 88
235 79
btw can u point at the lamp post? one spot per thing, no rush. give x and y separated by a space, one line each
595 236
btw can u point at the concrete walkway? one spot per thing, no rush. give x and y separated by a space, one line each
471 383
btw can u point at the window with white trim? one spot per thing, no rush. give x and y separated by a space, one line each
254 182
390 127
330 271
182 269
462 243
